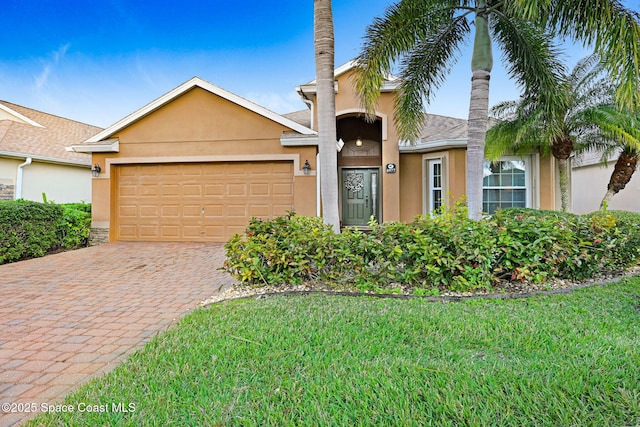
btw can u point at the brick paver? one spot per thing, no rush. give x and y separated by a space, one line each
67 317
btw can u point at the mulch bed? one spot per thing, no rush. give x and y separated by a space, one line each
502 290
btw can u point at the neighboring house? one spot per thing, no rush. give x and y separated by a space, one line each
590 179
197 163
34 159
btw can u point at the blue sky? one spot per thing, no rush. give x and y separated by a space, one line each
97 61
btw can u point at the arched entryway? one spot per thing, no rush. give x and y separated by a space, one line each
359 170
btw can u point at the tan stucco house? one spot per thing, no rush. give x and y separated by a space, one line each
34 159
197 163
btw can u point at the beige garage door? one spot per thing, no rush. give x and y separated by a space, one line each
198 201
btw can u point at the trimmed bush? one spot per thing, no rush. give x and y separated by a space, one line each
31 229
448 251
76 225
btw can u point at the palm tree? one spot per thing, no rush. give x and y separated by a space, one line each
584 117
425 36
626 165
326 99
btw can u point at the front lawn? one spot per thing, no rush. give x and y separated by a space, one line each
557 360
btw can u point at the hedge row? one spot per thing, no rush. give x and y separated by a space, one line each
31 229
447 251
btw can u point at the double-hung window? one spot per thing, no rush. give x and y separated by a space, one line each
505 184
434 185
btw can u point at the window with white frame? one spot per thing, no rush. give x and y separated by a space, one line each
505 184
434 185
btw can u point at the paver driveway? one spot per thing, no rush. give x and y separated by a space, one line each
69 316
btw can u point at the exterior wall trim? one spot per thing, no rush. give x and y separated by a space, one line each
295 158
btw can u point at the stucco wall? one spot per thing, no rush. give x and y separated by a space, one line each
412 186
590 185
549 197
61 183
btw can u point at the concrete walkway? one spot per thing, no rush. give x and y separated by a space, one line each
67 317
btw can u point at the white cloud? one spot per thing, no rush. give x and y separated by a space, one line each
42 79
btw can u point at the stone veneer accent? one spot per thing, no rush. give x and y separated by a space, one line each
6 192
98 236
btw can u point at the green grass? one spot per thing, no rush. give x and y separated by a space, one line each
563 360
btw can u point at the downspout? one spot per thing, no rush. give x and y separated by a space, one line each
310 104
19 178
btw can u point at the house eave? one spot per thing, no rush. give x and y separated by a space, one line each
426 147
312 89
44 159
297 140
106 146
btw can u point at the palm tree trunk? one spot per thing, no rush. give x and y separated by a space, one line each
326 101
478 112
564 183
481 65
561 148
607 198
622 172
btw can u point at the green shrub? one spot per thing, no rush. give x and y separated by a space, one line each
75 225
31 229
619 234
287 249
444 252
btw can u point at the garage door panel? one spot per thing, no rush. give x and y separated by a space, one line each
192 190
191 211
149 211
128 190
214 189
237 211
282 189
199 202
237 190
170 231
129 211
194 231
260 211
148 230
259 189
170 211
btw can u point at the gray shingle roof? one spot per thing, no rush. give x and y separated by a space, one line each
48 142
302 117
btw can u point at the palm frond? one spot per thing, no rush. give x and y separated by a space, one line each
614 31
388 38
532 60
423 71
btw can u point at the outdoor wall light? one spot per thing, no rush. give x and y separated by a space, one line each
95 170
306 168
359 142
